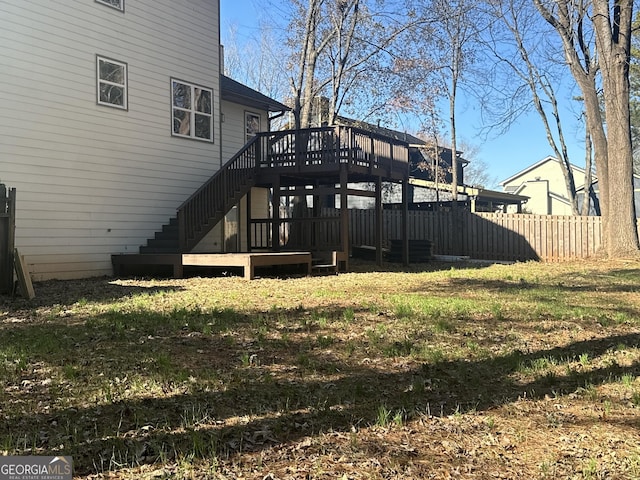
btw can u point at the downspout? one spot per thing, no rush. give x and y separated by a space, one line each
220 120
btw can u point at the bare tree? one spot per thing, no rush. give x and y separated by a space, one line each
256 62
610 24
456 25
308 40
345 50
519 49
477 172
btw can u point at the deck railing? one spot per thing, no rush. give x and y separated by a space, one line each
211 201
306 233
326 147
313 149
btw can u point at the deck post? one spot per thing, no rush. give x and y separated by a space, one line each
275 224
178 268
248 220
317 228
379 221
405 222
344 210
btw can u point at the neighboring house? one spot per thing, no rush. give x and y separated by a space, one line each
636 193
422 154
544 184
424 191
114 112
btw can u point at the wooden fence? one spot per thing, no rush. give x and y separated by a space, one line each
491 236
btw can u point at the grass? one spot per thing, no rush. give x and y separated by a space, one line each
520 371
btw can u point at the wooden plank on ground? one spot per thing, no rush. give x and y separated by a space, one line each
24 278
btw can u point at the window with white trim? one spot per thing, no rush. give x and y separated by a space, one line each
112 82
191 111
252 125
117 4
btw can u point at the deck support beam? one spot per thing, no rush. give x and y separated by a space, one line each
344 210
405 222
379 221
248 220
275 206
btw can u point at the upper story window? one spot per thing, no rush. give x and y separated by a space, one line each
117 4
192 107
112 82
252 125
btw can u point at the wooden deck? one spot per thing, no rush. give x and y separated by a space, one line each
320 158
319 162
248 261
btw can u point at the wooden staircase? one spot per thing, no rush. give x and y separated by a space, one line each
209 204
166 240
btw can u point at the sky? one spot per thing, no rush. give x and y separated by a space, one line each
505 154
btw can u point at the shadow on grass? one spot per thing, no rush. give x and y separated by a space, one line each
296 388
614 281
56 292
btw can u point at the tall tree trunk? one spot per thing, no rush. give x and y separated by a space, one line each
569 26
588 188
454 146
613 39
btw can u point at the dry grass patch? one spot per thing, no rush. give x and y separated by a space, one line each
519 371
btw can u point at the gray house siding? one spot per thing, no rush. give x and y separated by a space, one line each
94 180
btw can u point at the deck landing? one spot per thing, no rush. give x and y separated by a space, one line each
248 261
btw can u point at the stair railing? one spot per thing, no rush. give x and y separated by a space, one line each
199 213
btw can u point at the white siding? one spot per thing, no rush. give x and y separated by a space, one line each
234 127
93 180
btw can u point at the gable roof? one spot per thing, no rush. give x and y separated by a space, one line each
236 92
387 132
549 158
412 140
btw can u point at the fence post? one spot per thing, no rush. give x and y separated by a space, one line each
7 237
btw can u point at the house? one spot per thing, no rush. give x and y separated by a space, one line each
114 113
430 181
128 147
544 184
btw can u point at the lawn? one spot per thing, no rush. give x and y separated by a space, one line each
442 371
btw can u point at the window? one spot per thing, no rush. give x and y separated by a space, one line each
192 108
112 83
117 4
252 122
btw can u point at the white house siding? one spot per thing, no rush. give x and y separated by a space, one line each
233 129
545 186
93 180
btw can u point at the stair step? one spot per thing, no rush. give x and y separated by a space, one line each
170 229
146 249
166 236
162 242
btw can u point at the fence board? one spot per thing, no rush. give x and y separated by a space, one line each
491 236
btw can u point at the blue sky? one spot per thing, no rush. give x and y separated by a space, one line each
523 144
